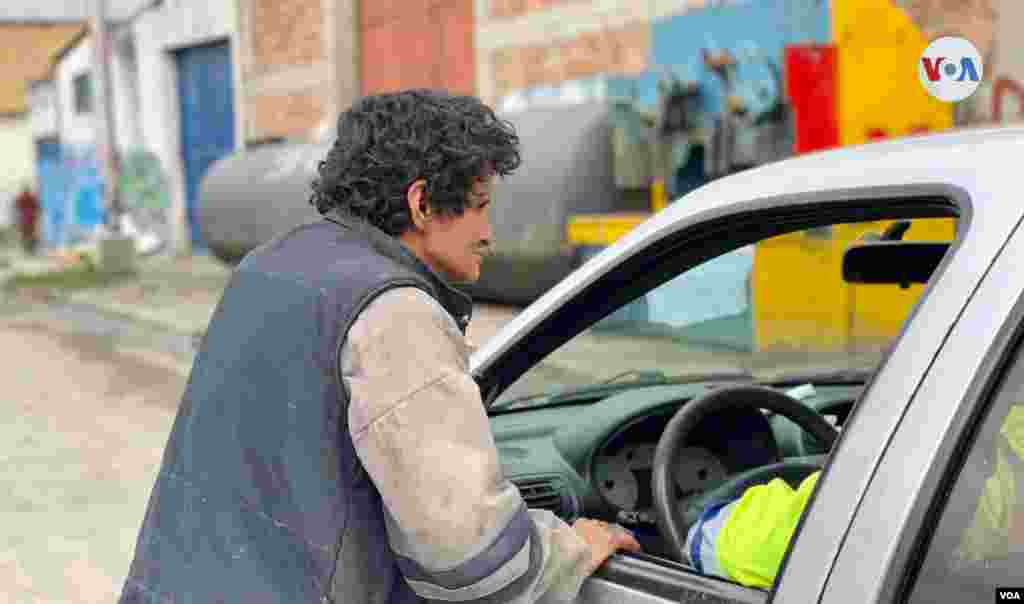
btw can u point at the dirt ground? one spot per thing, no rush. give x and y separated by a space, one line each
87 411
81 444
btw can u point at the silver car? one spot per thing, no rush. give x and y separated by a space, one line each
672 367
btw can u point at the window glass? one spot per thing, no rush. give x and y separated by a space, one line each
83 93
778 312
978 544
772 310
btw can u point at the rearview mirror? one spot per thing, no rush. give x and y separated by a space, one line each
892 262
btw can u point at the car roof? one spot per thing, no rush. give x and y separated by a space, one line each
974 161
961 159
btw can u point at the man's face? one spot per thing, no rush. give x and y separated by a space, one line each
454 246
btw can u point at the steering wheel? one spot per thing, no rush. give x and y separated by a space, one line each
674 520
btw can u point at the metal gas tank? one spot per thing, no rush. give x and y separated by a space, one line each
250 196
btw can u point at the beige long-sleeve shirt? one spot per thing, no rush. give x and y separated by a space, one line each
421 431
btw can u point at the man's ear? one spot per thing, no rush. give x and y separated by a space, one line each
416 197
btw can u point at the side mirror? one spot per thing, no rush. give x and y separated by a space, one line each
892 262
896 231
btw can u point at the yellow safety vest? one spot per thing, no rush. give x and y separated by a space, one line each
750 541
988 535
754 537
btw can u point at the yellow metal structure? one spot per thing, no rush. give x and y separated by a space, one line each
799 298
801 302
601 229
878 51
658 195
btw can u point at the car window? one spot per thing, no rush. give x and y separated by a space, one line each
773 309
978 543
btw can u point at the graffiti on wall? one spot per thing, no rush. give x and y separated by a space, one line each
145 200
77 214
711 96
999 100
82 211
710 76
1007 93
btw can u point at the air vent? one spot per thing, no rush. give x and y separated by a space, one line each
548 493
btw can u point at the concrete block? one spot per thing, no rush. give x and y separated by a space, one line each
115 254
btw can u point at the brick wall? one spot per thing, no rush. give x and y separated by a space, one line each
972 19
286 33
621 50
290 114
526 43
290 78
415 44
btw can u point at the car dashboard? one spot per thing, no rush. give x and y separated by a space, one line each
595 459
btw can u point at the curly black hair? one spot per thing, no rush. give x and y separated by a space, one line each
387 142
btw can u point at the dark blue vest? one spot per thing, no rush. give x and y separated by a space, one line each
261 497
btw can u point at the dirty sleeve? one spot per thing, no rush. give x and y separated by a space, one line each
459 529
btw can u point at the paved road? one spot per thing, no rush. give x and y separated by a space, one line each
88 402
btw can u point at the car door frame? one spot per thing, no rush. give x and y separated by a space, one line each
643 579
891 531
623 271
610 281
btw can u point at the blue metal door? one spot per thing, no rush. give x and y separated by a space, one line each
207 118
52 186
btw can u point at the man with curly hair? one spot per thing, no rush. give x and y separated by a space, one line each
331 445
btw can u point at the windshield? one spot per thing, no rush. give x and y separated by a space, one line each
765 312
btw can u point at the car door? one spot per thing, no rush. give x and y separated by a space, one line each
911 535
646 579
882 409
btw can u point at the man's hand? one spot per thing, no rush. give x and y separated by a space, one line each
604 540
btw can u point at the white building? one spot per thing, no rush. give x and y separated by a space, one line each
44 110
74 84
175 105
177 44
44 120
30 47
75 81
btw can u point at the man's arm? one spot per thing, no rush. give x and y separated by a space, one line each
745 540
460 530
